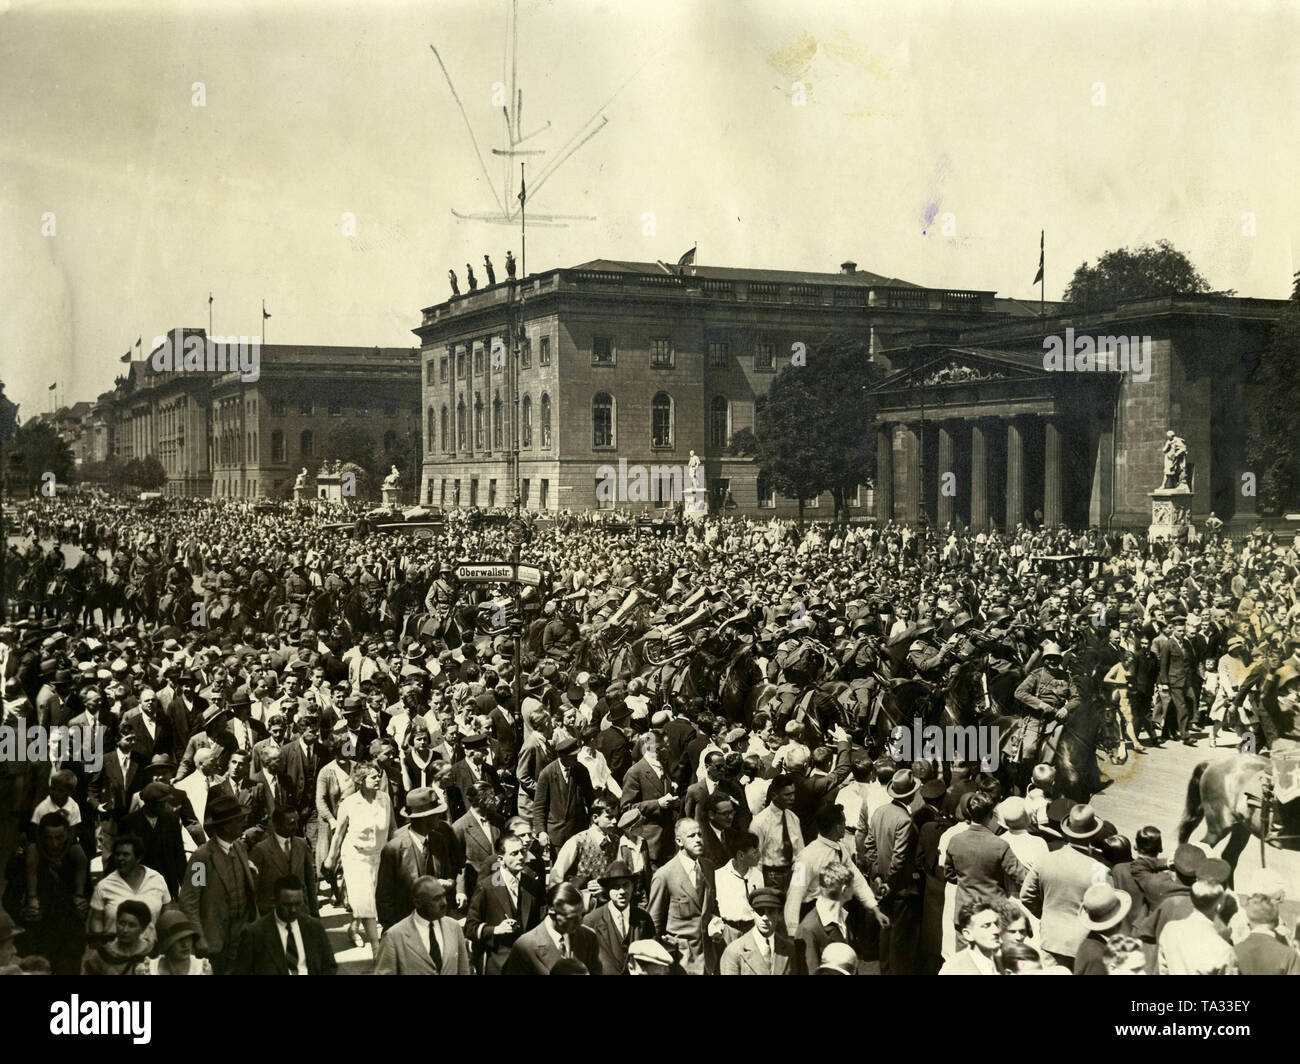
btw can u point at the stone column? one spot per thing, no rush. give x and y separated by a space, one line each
979 476
1053 474
1015 475
1102 498
884 473
946 503
908 486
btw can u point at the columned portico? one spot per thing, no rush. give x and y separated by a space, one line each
1053 474
979 476
1015 474
945 504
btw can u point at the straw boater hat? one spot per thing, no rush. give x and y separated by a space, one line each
1104 907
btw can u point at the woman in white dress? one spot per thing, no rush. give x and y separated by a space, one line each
365 822
129 879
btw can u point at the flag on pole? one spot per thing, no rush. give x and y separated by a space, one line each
139 341
126 357
209 299
1039 275
522 191
687 260
265 315
52 386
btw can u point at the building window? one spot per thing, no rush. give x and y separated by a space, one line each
390 437
719 417
766 493
604 494
602 420
498 438
526 354
460 425
430 434
306 408
764 361
307 443
719 354
814 503
478 360
442 370
442 492
473 491
760 292
443 426
546 420
661 420
523 493
856 498
544 494
455 492
602 351
336 408
478 421
661 353
428 496
492 493
804 293
460 365
428 372
527 430
277 446
277 407
544 352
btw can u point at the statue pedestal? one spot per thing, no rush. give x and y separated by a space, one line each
389 497
300 494
329 487
1171 513
695 503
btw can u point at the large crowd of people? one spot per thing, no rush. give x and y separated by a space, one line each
692 765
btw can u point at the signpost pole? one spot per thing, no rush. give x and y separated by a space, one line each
519 633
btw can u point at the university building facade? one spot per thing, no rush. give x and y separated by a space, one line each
629 362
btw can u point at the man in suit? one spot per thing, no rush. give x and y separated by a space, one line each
978 926
619 922
812 791
159 831
1054 888
684 902
117 780
282 853
646 788
889 850
476 835
615 742
505 905
1177 679
217 890
1261 952
474 768
286 941
562 803
762 951
250 792
827 921
152 729
425 847
980 863
427 941
300 764
560 935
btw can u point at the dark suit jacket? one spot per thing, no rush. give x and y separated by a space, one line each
293 770
983 867
272 863
489 906
164 741
463 779
812 792
811 937
560 807
534 952
404 859
252 796
616 747
642 788
479 851
261 952
678 732
164 849
613 948
111 790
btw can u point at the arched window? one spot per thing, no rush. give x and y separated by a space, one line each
526 433
277 446
460 425
478 421
661 420
498 437
546 420
719 417
307 443
444 427
602 420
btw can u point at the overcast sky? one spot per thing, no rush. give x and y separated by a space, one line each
982 111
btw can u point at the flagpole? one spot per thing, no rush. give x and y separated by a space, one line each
264 323
209 315
1042 270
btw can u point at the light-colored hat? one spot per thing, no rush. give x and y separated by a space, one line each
648 951
1014 813
838 958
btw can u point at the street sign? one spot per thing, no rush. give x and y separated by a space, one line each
530 575
485 572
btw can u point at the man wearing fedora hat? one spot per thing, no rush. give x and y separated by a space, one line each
424 846
1054 888
218 891
889 853
620 921
1103 912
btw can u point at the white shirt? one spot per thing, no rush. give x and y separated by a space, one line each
764 945
832 913
292 929
426 928
733 898
621 918
767 826
690 866
561 941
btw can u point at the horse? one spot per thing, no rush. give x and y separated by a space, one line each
1217 793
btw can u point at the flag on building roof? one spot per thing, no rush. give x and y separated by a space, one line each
1039 275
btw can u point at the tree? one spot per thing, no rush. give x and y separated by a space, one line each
743 444
150 473
353 443
1161 270
1274 389
814 425
35 450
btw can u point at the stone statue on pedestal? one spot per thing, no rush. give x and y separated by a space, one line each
391 481
693 471
1175 451
301 481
